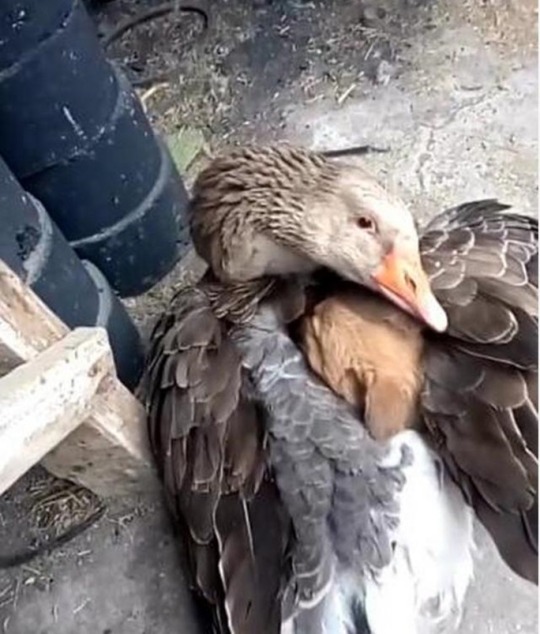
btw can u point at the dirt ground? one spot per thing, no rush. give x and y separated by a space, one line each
449 87
237 78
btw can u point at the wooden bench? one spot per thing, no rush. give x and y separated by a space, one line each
61 403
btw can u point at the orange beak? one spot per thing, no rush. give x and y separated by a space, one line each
402 279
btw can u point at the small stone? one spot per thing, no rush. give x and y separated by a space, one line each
385 72
369 16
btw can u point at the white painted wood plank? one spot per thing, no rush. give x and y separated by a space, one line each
109 453
43 400
27 325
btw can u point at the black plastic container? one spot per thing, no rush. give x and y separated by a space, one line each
53 269
93 190
144 245
124 337
57 97
26 23
16 213
35 249
75 134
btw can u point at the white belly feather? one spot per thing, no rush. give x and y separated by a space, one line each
423 588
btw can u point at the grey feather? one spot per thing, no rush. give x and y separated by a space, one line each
328 470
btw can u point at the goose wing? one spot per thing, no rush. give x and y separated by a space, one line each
340 487
479 399
209 446
266 550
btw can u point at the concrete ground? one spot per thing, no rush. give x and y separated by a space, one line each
453 95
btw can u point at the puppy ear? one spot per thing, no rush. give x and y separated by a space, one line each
389 408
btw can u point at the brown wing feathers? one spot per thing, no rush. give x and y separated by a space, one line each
478 394
481 381
207 440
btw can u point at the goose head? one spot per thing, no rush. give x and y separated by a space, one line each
282 210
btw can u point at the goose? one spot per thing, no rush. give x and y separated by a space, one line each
297 516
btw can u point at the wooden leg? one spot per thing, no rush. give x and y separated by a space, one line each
109 453
102 439
43 400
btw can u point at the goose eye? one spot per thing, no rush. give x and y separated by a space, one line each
365 223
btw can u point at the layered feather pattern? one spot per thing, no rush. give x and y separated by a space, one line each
295 519
207 438
480 390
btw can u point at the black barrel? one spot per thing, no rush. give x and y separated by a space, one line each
144 245
26 23
59 93
34 248
74 133
92 190
123 335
